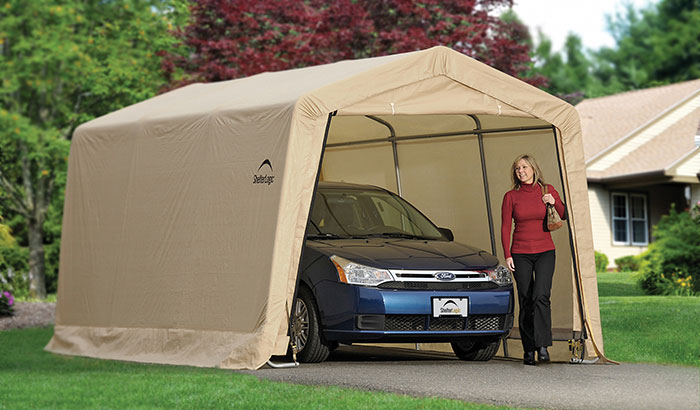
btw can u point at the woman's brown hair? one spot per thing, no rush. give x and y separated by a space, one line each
537 172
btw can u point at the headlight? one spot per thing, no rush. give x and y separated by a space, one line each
356 274
500 275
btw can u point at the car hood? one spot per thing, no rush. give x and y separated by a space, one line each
408 254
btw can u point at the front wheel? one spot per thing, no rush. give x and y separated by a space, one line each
476 350
306 329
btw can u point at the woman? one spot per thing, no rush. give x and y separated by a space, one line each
532 251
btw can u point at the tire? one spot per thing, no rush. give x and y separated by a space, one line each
306 332
476 350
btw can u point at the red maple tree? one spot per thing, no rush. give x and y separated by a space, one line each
236 38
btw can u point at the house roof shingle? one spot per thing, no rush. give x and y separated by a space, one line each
606 121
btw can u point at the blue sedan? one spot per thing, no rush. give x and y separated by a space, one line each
375 269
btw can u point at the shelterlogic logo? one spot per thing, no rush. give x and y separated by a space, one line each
259 178
450 308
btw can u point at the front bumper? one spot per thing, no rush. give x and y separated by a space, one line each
352 313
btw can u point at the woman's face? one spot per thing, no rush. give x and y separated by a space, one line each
524 172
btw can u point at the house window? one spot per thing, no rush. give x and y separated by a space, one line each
629 219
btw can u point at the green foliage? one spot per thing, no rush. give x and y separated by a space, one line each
568 76
62 63
629 263
601 262
671 265
6 238
7 302
14 270
13 265
655 45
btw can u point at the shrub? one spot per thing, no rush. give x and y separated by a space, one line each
601 262
13 270
629 263
671 265
6 303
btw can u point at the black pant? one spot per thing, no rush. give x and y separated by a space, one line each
535 320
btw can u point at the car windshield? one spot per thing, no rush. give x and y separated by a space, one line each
357 213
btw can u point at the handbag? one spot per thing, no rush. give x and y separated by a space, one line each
552 221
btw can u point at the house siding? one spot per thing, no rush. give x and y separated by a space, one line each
659 200
695 194
691 166
599 199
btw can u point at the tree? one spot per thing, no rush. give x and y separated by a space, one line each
676 42
629 64
63 62
570 73
229 39
656 45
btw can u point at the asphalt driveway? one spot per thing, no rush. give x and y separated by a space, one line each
501 381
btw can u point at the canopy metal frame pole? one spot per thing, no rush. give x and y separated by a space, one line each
571 240
301 257
391 138
487 197
487 194
441 135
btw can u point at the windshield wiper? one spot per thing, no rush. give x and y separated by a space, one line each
394 235
325 235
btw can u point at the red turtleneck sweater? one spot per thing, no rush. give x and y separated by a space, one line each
525 206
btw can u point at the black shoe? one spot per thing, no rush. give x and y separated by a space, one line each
542 354
529 358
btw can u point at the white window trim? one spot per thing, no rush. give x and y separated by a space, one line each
629 219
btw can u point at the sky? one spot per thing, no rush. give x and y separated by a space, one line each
586 18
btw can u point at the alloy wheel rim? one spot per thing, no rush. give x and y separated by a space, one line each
300 325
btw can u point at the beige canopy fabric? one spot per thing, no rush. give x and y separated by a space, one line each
185 214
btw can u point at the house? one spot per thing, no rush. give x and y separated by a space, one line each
642 152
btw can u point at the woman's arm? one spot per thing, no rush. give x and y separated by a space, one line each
558 203
506 223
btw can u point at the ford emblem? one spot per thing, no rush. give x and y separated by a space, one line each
445 276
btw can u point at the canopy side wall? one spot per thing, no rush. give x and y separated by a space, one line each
163 226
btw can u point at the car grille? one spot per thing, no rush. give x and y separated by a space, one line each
412 323
446 323
438 285
486 322
404 322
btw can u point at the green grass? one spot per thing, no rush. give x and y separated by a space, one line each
637 328
647 329
33 378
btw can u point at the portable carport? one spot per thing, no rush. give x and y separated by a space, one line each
185 214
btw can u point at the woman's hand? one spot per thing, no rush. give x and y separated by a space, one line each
548 199
510 264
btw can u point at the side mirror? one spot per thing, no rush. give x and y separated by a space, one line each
447 233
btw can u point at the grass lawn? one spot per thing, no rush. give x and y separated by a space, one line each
636 328
648 329
33 378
